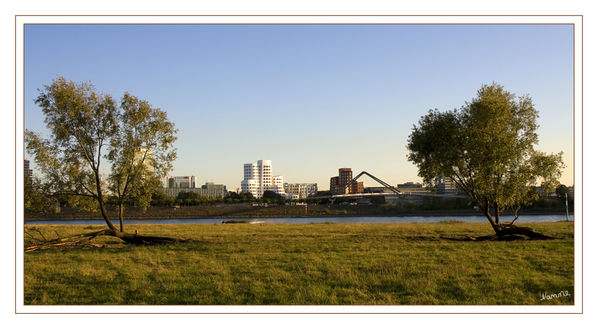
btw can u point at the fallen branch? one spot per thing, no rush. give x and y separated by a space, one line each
77 240
38 231
84 240
143 239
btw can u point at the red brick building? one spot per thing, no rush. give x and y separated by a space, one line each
342 184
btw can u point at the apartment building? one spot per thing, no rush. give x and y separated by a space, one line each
258 178
343 184
300 190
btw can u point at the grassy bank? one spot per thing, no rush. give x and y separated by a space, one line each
306 264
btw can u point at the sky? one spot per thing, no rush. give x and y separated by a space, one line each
311 98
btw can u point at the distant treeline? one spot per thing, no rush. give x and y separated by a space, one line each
185 198
375 205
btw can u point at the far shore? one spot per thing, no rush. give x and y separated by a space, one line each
175 215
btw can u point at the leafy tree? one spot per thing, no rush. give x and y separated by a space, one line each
140 153
88 128
562 191
271 196
37 199
78 202
189 198
159 198
234 197
246 197
487 148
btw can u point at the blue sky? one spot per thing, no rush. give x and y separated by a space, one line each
311 98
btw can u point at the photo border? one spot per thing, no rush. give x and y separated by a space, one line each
575 20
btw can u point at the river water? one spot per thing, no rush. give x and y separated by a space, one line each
406 219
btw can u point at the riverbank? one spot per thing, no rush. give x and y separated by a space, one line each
305 264
248 211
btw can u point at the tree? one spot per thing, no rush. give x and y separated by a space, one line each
87 128
562 191
159 198
140 153
35 198
189 198
234 197
271 196
487 148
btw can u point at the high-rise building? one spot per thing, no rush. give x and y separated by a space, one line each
343 184
356 187
181 181
28 173
345 175
258 178
278 185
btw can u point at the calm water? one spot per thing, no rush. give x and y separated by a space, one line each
413 219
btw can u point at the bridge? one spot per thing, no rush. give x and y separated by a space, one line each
393 191
378 180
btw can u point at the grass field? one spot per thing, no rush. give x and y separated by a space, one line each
305 264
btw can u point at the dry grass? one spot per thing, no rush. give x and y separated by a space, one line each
306 264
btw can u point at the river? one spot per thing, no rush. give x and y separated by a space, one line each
365 219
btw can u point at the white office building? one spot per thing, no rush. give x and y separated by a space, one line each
300 190
278 185
258 178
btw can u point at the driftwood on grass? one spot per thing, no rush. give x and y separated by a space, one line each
71 241
142 239
84 240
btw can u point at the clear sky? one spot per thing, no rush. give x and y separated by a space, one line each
311 98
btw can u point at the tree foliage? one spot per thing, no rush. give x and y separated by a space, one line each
487 148
188 198
36 199
234 197
562 191
271 196
87 130
140 153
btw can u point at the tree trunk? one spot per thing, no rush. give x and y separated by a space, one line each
504 231
486 210
121 216
496 214
100 198
512 230
105 214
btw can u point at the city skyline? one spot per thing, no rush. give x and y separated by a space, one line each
312 98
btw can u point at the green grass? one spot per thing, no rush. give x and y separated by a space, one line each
306 264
